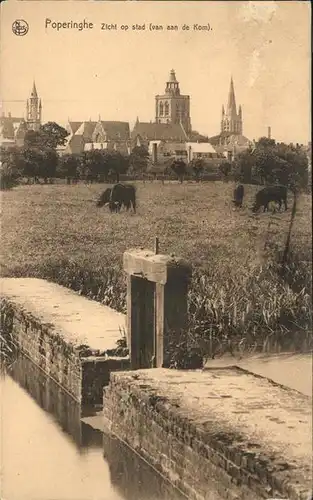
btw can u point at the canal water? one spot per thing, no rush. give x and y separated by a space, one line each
48 452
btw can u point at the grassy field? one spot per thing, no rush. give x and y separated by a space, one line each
238 290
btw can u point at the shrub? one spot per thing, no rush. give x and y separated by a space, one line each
8 177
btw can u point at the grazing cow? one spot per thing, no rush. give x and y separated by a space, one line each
123 194
104 198
270 193
238 195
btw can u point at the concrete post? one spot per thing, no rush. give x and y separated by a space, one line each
157 287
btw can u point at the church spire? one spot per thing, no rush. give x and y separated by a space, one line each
231 104
34 91
33 110
231 121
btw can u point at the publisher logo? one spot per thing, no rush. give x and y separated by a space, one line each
20 27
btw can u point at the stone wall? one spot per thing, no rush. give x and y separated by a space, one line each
66 359
173 448
96 374
44 347
204 465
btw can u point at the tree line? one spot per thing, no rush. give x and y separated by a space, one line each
264 162
38 159
270 162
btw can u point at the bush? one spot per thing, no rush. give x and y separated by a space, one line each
8 177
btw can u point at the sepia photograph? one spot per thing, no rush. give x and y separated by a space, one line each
156 250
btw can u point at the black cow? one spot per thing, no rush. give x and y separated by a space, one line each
270 193
238 195
104 198
123 194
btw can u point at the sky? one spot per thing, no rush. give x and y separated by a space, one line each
115 74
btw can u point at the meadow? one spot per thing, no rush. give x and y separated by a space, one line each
240 294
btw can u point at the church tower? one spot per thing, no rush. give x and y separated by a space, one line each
231 120
33 110
172 107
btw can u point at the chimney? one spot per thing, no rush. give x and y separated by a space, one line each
269 132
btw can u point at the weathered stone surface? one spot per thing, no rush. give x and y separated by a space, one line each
156 268
69 337
217 434
75 318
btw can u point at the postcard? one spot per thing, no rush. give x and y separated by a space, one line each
156 250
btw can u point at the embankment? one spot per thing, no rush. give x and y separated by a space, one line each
71 338
216 434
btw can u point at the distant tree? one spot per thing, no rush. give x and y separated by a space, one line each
68 167
293 166
118 163
96 165
31 162
50 135
242 167
48 164
138 159
274 162
53 135
33 139
11 157
9 176
179 169
266 143
225 169
197 167
39 152
100 164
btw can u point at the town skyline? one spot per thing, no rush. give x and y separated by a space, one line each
86 81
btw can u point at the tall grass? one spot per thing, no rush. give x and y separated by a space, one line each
240 298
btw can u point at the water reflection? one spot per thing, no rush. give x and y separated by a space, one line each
48 452
125 466
49 396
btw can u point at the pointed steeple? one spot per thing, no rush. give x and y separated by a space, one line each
231 121
33 110
231 104
34 91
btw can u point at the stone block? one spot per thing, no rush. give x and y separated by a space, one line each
157 287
